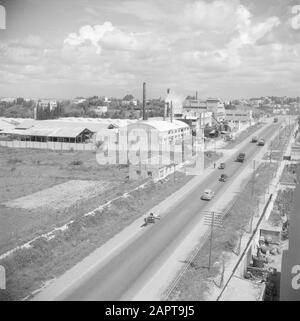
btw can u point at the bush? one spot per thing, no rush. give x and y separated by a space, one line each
14 161
76 162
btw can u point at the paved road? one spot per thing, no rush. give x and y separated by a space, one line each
121 273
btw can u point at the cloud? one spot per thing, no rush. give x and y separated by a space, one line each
142 10
245 33
111 38
89 33
185 46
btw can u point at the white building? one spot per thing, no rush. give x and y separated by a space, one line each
8 100
166 130
197 121
215 106
78 100
152 147
194 107
44 103
239 115
129 102
100 110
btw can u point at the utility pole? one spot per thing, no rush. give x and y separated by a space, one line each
252 194
213 219
174 171
253 179
211 238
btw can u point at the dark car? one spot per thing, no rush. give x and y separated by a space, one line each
222 166
254 139
223 178
261 142
241 157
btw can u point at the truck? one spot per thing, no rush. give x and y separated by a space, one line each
241 157
254 139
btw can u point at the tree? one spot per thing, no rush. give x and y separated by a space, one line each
128 97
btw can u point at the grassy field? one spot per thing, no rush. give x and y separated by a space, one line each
23 172
27 269
289 173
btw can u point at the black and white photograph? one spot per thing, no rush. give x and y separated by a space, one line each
149 153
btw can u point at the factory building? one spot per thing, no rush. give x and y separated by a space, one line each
64 130
197 121
195 107
47 134
151 147
239 115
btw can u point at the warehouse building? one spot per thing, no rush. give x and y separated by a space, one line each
152 147
239 115
64 130
195 107
39 134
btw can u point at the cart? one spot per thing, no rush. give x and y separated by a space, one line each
151 218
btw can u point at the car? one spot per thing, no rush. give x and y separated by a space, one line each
241 157
223 178
207 195
254 139
261 142
221 166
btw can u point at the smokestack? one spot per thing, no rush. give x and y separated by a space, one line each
35 112
196 95
144 101
171 113
166 107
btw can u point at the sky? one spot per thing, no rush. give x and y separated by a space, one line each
219 48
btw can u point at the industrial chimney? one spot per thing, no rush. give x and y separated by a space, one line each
35 112
144 101
166 107
171 113
196 95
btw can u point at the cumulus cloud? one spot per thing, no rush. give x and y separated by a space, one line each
181 45
89 33
112 38
216 16
244 33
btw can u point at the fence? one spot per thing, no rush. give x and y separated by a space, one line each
48 145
